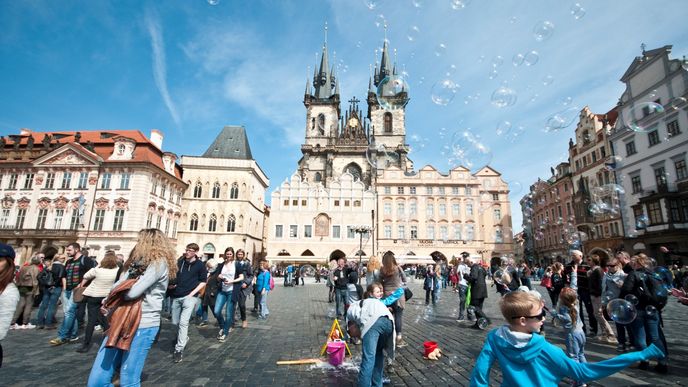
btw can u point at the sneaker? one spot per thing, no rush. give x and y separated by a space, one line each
386 380
14 326
620 347
221 337
389 368
661 369
98 328
460 318
73 339
401 343
177 356
57 341
29 326
23 326
244 324
203 324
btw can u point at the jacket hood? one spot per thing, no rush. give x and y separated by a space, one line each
518 347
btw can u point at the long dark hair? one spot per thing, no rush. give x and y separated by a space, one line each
389 264
7 275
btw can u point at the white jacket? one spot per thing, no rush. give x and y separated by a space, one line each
8 303
366 316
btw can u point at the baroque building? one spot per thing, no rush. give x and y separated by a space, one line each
649 144
223 205
355 165
97 188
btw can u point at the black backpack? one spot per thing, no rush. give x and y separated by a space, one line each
45 278
651 290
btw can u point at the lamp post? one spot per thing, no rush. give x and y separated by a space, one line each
481 252
360 230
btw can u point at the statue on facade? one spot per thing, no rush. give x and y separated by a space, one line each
46 141
29 143
3 142
77 137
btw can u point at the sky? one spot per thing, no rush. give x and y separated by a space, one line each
497 69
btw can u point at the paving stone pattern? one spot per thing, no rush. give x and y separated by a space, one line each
297 327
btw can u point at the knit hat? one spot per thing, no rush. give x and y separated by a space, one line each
6 251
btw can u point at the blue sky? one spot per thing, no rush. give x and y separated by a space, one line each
190 67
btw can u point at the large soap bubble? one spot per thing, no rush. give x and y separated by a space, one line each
381 157
635 120
392 92
621 311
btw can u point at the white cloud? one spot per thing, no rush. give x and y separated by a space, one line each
159 66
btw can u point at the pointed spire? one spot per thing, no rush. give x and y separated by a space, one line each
322 81
308 86
370 85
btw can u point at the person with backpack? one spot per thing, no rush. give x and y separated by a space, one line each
264 284
52 280
28 289
651 299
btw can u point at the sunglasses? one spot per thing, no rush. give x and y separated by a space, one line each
540 316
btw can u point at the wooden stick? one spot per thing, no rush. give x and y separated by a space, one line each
300 361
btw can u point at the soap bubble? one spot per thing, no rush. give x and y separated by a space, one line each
633 117
632 299
651 311
503 128
515 134
450 70
392 92
331 313
539 235
577 11
412 33
370 4
483 323
468 150
561 119
498 276
497 61
641 222
459 4
547 80
515 187
380 157
493 74
543 30
429 314
380 20
621 311
531 58
213 2
504 96
307 271
417 3
443 92
440 49
513 19
517 60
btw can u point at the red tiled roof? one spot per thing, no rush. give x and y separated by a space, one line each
612 115
102 141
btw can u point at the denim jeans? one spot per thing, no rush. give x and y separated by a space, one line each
372 356
586 301
225 317
463 290
70 326
182 309
46 312
264 305
429 292
130 363
575 346
341 296
646 325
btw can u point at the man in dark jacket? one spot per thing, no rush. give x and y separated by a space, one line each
340 279
476 279
584 299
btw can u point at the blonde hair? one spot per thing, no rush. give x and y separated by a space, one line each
642 260
152 247
517 304
557 267
374 263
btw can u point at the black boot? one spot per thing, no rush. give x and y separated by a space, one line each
84 348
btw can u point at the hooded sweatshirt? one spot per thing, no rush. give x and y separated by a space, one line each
529 360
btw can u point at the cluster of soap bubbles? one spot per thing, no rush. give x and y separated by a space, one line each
468 150
392 92
459 4
528 59
605 199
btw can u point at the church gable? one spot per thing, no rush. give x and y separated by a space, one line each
487 171
70 155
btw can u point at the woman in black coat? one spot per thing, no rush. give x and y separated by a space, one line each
476 279
242 288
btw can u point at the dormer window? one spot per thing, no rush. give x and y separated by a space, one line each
121 148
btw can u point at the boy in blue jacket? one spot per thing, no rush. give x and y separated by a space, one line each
527 359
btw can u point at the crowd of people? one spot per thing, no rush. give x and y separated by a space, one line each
127 300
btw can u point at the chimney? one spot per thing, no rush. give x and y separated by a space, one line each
156 138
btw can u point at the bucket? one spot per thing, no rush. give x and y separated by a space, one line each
335 352
429 347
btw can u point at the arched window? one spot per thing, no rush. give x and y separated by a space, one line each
198 190
216 191
231 223
321 124
193 224
234 192
388 122
355 170
318 176
212 223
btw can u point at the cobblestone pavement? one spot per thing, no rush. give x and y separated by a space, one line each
296 329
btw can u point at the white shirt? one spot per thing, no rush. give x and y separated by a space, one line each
228 271
461 270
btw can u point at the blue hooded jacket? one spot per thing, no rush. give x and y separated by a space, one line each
539 363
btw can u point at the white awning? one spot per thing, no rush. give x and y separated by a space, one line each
296 259
413 259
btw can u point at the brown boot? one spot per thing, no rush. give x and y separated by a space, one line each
244 324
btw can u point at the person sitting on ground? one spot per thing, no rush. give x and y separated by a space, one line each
525 358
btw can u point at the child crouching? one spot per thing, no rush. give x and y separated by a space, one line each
526 358
377 331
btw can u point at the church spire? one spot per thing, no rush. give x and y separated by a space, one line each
323 80
385 69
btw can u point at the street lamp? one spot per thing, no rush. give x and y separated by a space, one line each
360 230
481 252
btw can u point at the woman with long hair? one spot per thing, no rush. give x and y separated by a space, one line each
244 277
373 270
392 278
152 263
101 278
9 295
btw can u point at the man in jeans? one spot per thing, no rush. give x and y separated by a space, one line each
340 279
462 271
51 294
76 266
191 279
